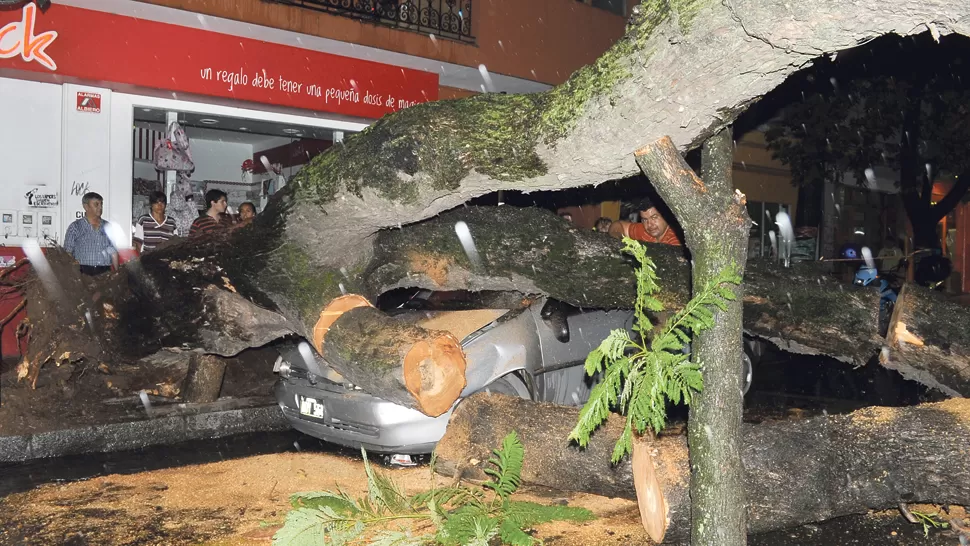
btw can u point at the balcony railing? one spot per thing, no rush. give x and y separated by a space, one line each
445 18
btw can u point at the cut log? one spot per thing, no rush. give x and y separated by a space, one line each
203 382
331 313
795 471
929 340
397 361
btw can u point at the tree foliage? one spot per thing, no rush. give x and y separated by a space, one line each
639 377
449 516
907 115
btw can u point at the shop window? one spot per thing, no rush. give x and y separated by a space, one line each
446 18
759 242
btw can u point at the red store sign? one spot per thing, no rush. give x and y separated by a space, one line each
104 47
88 102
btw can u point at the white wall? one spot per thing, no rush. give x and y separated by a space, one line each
215 160
30 147
85 154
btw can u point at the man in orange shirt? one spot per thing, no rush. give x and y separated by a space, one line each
652 227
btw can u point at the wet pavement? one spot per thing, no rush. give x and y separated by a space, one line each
18 477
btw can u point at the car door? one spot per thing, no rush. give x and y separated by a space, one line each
561 378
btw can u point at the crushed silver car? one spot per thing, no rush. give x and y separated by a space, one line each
534 350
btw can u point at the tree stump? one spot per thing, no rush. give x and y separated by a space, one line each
203 382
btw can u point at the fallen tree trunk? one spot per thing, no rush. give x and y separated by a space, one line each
929 340
801 309
201 296
391 359
794 471
317 233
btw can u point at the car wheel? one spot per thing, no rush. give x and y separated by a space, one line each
509 384
747 370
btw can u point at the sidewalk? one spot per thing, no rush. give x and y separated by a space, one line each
226 417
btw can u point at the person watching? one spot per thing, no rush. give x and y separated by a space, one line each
603 224
652 227
247 211
213 220
156 227
87 238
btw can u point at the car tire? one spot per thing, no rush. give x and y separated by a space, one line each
509 384
747 371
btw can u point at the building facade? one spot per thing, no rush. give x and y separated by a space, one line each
91 86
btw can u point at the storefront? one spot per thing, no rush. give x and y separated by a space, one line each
86 94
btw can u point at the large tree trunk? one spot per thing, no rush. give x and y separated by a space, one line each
716 227
181 296
795 472
929 340
801 309
317 235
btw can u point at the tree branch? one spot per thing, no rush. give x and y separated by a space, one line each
951 200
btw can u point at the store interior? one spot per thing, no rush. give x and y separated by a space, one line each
230 154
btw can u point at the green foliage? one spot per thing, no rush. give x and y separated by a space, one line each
843 127
639 378
508 467
929 520
459 516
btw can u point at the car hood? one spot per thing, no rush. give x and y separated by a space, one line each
460 324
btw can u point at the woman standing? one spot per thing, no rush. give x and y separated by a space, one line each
156 227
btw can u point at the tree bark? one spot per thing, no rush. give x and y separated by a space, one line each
318 232
801 309
203 382
795 472
716 227
929 341
401 363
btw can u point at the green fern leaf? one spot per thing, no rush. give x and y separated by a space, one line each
339 502
513 535
303 527
508 461
382 493
639 381
526 514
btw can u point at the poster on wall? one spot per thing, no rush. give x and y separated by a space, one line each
41 198
89 102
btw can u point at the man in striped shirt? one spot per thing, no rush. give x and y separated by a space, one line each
213 221
87 238
156 227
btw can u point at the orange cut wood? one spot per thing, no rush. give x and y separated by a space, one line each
332 312
650 497
434 373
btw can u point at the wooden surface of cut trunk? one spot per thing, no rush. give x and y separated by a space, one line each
929 340
794 471
397 361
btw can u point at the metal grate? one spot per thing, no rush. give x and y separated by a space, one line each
445 18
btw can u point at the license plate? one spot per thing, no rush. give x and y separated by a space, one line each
311 407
